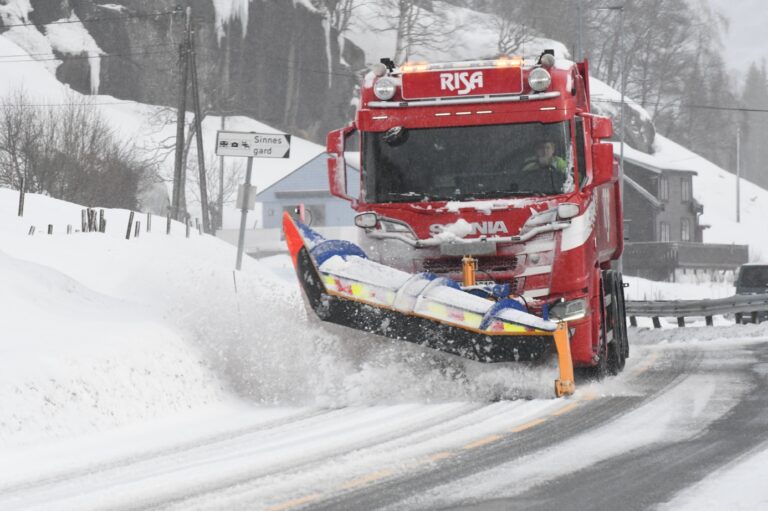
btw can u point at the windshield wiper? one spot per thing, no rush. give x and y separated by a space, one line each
501 194
404 196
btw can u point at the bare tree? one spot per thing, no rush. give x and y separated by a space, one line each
508 20
68 152
417 26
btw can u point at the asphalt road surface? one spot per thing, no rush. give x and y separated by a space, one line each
677 413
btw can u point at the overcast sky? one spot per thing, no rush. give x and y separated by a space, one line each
747 37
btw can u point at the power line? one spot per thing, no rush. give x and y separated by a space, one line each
100 56
95 20
702 107
23 55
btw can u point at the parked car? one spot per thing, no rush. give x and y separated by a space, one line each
752 280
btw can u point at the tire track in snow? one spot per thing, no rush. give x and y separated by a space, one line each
653 380
289 441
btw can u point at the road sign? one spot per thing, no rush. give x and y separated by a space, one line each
241 193
253 145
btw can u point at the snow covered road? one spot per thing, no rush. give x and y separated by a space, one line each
678 413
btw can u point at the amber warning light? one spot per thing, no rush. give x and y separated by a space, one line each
450 83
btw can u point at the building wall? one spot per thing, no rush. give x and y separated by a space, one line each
309 186
639 217
676 210
639 214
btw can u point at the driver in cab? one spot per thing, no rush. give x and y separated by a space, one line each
544 170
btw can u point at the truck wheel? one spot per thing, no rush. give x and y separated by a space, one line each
622 315
613 287
598 371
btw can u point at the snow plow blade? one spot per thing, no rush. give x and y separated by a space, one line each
343 287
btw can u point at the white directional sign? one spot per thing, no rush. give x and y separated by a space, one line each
253 145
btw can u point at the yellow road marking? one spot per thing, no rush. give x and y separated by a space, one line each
528 425
295 502
440 456
565 409
361 481
483 441
647 365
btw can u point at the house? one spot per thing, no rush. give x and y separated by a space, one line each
662 228
306 184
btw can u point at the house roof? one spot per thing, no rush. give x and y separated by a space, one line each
647 161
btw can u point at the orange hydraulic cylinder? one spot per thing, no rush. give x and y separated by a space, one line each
468 270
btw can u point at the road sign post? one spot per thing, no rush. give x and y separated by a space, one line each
250 145
244 215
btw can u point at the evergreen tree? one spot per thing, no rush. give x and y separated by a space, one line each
754 153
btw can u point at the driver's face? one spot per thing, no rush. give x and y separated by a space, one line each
545 151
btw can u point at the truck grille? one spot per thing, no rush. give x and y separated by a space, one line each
453 264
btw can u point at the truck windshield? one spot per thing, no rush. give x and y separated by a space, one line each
467 162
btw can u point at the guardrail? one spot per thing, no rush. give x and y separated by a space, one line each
738 305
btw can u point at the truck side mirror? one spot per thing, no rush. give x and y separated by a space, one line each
602 127
337 166
602 164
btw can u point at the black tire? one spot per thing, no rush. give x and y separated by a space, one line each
616 321
596 372
623 315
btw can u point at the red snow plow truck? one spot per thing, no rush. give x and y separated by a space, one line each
489 213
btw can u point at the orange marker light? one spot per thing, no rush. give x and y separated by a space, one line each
509 62
416 67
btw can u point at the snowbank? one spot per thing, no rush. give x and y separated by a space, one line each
108 331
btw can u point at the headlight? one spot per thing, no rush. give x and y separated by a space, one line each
539 79
384 89
366 220
569 311
567 210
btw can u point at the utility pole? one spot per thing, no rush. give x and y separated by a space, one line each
178 174
224 103
738 174
199 137
623 60
579 47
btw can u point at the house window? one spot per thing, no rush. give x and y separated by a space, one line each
663 231
686 190
663 188
685 229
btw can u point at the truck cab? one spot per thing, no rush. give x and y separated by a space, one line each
501 160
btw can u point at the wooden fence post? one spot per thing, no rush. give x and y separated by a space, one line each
149 221
102 222
168 223
31 230
137 230
130 224
188 222
69 228
83 225
50 228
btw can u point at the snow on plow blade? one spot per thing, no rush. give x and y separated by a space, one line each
343 287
